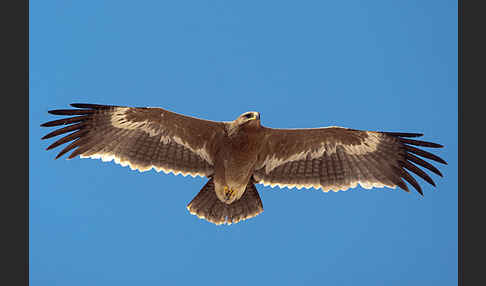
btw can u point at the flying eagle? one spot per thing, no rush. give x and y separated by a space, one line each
236 155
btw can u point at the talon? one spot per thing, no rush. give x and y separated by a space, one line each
228 193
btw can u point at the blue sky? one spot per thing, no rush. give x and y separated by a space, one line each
371 65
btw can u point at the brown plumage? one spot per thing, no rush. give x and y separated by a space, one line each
235 155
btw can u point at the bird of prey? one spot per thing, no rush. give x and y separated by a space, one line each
238 154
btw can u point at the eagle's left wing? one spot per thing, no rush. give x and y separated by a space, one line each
336 158
140 137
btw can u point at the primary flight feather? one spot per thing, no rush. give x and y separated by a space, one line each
237 154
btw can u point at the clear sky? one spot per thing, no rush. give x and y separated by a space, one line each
371 65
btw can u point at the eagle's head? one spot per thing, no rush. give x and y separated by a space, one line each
250 116
250 119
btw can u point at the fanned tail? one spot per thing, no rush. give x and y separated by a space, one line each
206 205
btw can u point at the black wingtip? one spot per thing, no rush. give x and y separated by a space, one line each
71 111
89 105
403 134
424 154
420 143
78 105
425 164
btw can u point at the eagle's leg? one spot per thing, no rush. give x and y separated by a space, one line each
206 205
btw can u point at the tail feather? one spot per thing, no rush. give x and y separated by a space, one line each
206 205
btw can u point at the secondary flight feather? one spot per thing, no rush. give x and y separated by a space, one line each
238 154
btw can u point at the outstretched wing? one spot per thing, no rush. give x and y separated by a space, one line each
142 138
336 158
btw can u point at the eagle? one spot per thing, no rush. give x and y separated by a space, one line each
236 155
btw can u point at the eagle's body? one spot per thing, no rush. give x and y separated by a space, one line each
237 154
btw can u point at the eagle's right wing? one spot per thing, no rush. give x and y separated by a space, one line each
142 138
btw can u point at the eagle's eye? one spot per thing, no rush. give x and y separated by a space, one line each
249 115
